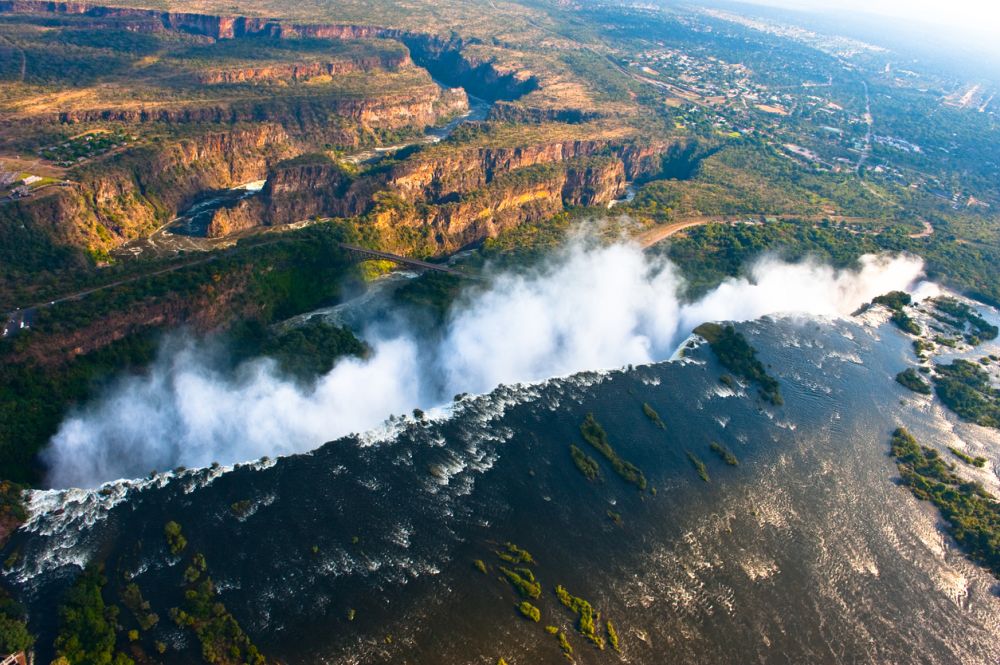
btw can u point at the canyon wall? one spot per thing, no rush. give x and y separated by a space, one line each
413 108
128 194
303 71
441 174
495 191
528 195
209 308
443 57
455 196
131 193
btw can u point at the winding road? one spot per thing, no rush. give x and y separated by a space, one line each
659 233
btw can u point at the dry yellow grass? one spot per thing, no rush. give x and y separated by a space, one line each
776 110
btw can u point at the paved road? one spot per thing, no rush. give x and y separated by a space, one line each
652 236
656 234
927 231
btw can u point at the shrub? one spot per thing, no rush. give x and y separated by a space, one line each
905 323
175 539
586 464
894 300
529 611
912 380
978 462
699 466
727 456
613 637
653 415
527 586
585 611
595 435
139 606
511 553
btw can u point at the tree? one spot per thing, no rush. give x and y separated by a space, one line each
14 635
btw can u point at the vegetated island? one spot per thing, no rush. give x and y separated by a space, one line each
698 465
956 314
586 464
724 453
972 514
520 577
528 587
896 301
740 358
222 639
653 415
595 435
965 388
588 617
953 322
909 378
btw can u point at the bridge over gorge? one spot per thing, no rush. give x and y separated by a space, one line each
366 253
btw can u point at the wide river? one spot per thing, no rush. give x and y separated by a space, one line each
362 551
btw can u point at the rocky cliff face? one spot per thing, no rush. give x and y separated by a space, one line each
511 202
304 71
415 108
298 190
462 196
58 216
131 193
450 61
505 111
445 174
246 214
156 184
593 182
527 195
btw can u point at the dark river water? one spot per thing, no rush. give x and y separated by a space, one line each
808 552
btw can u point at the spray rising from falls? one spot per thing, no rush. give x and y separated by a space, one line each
589 308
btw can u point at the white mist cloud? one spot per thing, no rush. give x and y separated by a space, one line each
589 308
776 287
187 412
